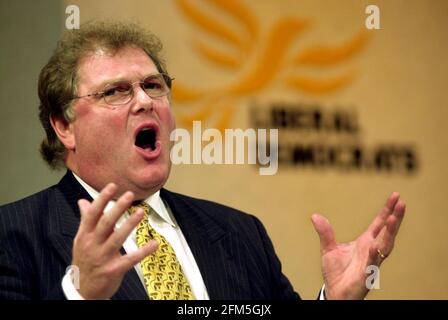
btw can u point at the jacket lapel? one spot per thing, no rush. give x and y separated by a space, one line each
64 221
216 249
64 215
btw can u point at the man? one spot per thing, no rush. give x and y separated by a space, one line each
106 112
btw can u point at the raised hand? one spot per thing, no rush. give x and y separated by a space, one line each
96 248
344 265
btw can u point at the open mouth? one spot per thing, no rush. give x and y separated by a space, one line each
146 139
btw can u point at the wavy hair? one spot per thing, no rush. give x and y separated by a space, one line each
59 77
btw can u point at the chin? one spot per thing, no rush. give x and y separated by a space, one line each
151 181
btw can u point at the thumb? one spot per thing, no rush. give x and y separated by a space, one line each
325 232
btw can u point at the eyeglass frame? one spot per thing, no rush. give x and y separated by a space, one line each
166 79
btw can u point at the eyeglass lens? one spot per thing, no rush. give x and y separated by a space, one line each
122 92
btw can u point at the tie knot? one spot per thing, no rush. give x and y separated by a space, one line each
141 204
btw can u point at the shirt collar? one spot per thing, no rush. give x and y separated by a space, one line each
154 201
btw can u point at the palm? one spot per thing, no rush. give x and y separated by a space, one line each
344 265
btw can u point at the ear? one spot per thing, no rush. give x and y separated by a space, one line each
64 130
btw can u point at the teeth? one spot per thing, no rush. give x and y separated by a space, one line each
146 129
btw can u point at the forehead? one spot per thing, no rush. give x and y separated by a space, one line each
101 67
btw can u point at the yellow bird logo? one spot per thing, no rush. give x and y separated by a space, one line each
256 62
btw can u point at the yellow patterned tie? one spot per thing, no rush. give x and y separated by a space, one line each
162 272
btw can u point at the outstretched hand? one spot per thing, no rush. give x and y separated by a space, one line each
344 265
96 248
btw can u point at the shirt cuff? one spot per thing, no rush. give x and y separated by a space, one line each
69 287
322 293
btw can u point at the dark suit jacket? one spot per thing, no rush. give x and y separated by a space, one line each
233 252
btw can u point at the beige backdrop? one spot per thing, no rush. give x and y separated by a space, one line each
398 91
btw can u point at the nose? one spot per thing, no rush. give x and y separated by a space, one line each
141 102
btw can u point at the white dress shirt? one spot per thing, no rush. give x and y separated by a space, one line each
165 224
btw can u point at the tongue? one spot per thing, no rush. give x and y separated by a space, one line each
147 146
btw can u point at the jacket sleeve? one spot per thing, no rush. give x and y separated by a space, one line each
282 288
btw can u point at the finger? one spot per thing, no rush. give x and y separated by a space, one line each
380 250
95 211
386 239
374 256
379 221
103 198
399 211
107 222
129 260
84 207
116 240
325 232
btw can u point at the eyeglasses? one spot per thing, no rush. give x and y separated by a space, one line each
121 92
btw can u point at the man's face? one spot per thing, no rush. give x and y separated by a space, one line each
106 147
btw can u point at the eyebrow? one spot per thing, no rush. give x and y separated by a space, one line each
103 84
